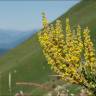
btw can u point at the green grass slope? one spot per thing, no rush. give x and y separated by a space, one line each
27 63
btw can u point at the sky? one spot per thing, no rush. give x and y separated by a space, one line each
26 15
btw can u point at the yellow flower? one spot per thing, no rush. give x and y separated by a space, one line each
64 52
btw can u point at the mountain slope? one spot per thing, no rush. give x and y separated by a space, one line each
10 39
27 63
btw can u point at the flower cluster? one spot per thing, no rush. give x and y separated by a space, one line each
70 53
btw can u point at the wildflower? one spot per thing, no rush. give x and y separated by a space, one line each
70 54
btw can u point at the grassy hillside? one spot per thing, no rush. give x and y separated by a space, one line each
27 63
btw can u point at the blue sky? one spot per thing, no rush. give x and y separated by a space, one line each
26 15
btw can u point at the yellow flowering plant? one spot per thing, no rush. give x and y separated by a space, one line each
70 54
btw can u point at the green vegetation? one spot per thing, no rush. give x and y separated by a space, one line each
27 63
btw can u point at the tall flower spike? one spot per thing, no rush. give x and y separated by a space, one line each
79 38
89 70
89 49
79 42
68 32
69 41
44 20
60 35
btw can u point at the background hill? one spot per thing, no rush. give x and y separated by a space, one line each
10 39
27 63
